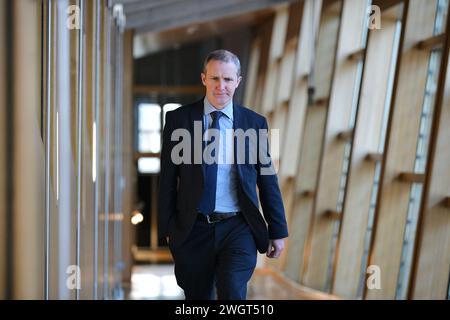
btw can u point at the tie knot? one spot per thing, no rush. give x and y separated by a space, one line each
216 115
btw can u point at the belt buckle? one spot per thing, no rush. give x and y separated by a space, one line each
209 220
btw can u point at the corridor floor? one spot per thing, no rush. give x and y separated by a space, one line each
157 282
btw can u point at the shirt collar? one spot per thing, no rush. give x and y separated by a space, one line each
208 108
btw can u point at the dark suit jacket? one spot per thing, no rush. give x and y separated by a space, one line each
181 185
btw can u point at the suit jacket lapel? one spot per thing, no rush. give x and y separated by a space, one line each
197 115
238 123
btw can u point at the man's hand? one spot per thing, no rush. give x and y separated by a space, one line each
167 239
275 248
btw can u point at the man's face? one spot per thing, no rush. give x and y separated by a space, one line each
220 80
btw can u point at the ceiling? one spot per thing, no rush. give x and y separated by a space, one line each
163 24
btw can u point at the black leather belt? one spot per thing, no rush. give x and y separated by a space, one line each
218 216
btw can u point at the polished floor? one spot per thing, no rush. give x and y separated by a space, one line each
157 282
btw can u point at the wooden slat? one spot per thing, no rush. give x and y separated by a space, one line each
411 177
299 95
265 33
401 146
431 43
364 155
345 135
321 102
446 202
297 105
339 112
252 78
374 157
306 33
357 55
333 214
430 273
311 145
288 186
277 43
287 68
386 4
308 194
322 73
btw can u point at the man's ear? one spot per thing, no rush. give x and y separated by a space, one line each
238 81
203 76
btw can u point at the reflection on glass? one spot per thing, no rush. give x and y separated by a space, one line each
149 165
149 127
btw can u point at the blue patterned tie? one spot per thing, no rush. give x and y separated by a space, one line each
208 201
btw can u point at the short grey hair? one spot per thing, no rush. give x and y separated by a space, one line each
224 56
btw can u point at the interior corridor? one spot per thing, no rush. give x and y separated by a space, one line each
356 94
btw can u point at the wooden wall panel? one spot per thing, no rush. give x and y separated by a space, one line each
264 31
279 115
277 44
400 149
300 65
353 15
297 89
311 140
304 192
361 173
430 275
326 47
252 75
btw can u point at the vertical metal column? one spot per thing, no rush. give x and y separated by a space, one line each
79 136
118 62
107 155
97 17
47 147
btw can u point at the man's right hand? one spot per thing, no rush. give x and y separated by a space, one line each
167 239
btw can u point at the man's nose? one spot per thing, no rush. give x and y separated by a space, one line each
221 84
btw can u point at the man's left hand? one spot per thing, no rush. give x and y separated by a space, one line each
276 246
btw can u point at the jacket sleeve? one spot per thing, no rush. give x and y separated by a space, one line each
269 191
168 179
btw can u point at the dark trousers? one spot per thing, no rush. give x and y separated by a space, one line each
219 256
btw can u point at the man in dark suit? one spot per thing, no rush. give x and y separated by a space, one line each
208 206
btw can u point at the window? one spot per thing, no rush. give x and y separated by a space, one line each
150 123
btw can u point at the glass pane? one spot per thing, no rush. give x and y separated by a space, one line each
149 116
149 165
149 141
